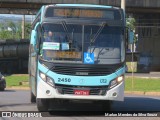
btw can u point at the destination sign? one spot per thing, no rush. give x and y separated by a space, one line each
78 13
82 13
62 54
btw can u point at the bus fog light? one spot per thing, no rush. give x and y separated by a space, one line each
48 92
114 94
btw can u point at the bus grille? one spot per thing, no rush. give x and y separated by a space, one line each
96 90
82 70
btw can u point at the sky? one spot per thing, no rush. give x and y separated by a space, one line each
15 15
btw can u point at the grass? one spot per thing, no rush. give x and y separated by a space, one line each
139 84
13 80
142 84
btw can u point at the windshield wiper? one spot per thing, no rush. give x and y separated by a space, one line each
92 40
64 26
65 29
68 37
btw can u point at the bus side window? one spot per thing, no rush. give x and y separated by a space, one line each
39 40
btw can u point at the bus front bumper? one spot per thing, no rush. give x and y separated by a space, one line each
45 91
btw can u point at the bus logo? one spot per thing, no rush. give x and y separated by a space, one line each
82 81
81 73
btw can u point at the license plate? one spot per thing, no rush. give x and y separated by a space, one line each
81 92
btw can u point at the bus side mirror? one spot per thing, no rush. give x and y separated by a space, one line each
33 37
130 36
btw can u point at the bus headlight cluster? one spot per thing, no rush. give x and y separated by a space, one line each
47 79
42 76
2 77
116 81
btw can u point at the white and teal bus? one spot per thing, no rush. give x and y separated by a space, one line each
85 60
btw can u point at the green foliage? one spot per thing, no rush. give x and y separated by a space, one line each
130 23
28 28
12 26
142 84
5 34
14 80
13 30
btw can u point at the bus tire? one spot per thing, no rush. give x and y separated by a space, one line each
42 105
32 98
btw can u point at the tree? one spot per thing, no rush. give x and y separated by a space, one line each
15 31
12 25
27 30
130 23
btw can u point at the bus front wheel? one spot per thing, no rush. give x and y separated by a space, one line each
42 105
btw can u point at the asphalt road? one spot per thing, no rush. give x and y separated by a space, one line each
18 100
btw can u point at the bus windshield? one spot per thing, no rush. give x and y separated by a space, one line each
64 42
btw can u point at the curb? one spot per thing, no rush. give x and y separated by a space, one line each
153 93
135 92
17 88
142 77
143 93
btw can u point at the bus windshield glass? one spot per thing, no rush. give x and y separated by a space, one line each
64 42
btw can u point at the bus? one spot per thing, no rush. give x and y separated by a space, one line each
85 58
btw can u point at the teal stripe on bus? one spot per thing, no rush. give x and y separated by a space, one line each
75 80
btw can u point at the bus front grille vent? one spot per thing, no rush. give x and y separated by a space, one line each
96 90
82 71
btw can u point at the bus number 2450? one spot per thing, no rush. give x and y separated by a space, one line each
64 80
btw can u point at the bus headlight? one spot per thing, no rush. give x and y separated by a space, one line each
50 82
42 76
46 79
116 81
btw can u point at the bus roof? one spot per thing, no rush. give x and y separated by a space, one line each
83 5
